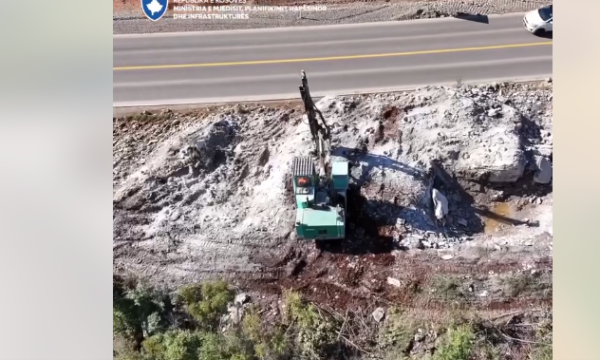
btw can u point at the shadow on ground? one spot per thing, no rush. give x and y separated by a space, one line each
367 231
372 222
483 19
471 211
545 35
356 156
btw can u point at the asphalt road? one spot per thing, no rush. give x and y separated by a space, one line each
182 68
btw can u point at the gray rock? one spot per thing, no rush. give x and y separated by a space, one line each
175 215
510 171
497 195
235 314
378 314
420 335
493 112
241 299
393 282
543 174
440 204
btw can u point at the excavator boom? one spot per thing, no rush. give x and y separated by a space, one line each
312 111
319 130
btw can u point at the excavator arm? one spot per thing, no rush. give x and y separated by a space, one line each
311 111
319 130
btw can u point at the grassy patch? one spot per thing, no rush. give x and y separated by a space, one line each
457 344
150 324
397 333
526 283
489 352
315 332
269 343
543 349
543 352
207 302
448 288
173 345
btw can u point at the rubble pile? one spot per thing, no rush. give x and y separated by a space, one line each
198 194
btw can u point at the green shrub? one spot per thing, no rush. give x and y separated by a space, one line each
124 349
266 344
129 356
523 283
315 332
457 345
207 303
172 345
542 352
214 347
448 288
397 331
138 311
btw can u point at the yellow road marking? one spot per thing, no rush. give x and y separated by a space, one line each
345 57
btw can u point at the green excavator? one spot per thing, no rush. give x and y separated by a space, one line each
321 197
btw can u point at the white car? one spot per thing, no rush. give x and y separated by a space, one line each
539 21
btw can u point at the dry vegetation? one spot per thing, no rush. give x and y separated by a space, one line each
210 321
